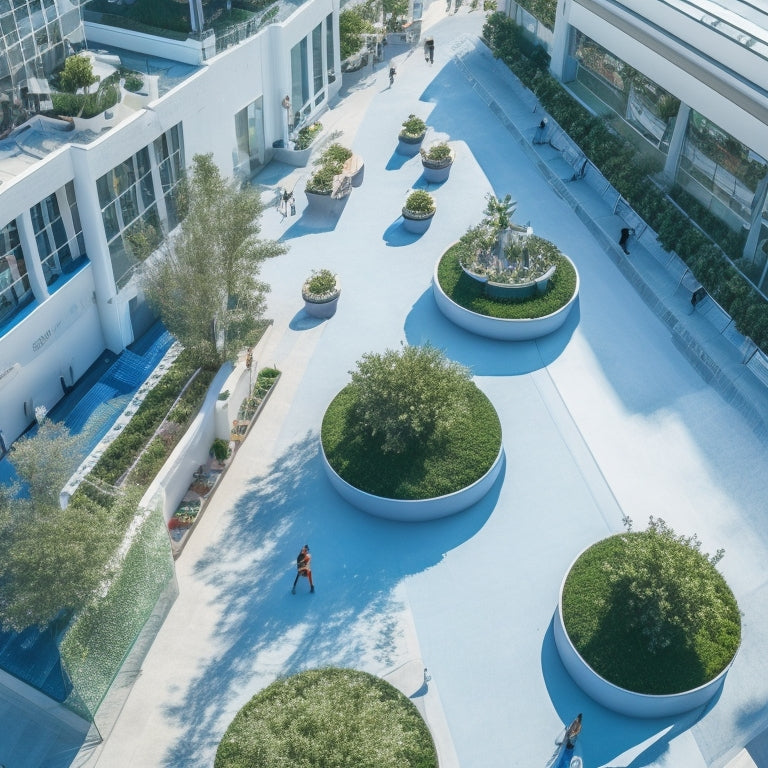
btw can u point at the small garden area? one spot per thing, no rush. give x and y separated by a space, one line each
328 718
411 425
649 612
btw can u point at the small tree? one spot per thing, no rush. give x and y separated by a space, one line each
77 73
205 284
403 396
51 560
352 27
669 582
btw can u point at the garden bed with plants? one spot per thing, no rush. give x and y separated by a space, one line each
457 448
650 613
324 718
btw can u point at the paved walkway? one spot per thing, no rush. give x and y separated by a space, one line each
606 416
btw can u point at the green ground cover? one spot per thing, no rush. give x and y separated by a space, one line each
328 718
603 617
468 293
450 459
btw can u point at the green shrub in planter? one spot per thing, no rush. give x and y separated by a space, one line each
321 283
420 203
335 153
413 127
437 153
307 135
321 181
220 449
133 82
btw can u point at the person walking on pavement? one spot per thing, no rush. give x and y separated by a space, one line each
574 729
392 73
431 50
303 568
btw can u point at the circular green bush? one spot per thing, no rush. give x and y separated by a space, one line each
328 718
650 613
448 460
469 293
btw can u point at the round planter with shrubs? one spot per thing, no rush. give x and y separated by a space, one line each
418 211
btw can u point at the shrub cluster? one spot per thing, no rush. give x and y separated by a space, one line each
413 127
307 135
265 380
620 164
420 202
320 284
329 165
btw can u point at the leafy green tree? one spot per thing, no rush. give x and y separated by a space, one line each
352 26
403 396
51 560
670 584
205 284
77 73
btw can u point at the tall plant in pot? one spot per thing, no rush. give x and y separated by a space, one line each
411 135
321 291
418 211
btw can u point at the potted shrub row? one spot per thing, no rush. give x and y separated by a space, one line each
411 135
436 162
327 189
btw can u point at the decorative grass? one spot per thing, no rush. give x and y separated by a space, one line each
451 459
468 293
597 619
328 718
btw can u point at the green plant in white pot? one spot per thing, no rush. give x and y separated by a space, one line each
437 161
412 133
321 291
418 211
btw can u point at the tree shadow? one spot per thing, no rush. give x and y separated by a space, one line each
264 630
609 738
425 323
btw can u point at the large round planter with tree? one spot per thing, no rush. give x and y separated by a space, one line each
328 188
328 717
412 437
502 282
436 162
412 133
418 211
321 291
646 625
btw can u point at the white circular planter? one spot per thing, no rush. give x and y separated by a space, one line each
409 146
415 510
325 205
500 328
620 699
417 225
321 309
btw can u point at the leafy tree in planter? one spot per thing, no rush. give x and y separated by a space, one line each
51 560
205 285
402 396
77 73
352 27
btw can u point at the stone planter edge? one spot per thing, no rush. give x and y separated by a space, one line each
618 699
500 328
415 510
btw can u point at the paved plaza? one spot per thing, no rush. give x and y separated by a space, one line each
607 416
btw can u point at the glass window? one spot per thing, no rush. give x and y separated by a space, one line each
317 58
329 49
299 78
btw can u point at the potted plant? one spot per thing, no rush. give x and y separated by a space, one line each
411 135
328 188
298 154
437 162
321 291
418 211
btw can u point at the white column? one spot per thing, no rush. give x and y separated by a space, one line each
32 256
560 42
676 142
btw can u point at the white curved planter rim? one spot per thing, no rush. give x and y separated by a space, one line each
414 510
620 699
501 328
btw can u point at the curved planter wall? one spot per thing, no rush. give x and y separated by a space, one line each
620 699
298 158
409 510
496 327
436 175
325 205
321 309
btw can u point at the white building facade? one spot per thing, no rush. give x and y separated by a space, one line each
688 77
74 219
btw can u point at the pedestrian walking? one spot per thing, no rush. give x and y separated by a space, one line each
574 729
392 73
625 233
284 202
292 203
303 568
429 50
540 132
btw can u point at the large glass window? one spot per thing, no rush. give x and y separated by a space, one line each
129 213
249 133
300 81
169 153
317 60
329 48
15 290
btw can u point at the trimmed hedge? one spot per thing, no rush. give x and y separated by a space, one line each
447 461
602 625
328 718
468 293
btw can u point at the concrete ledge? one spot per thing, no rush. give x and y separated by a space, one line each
414 510
620 699
499 328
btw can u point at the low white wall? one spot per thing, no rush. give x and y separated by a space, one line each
185 51
411 510
499 328
172 482
239 385
620 699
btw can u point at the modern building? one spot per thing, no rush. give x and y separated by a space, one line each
685 80
80 200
